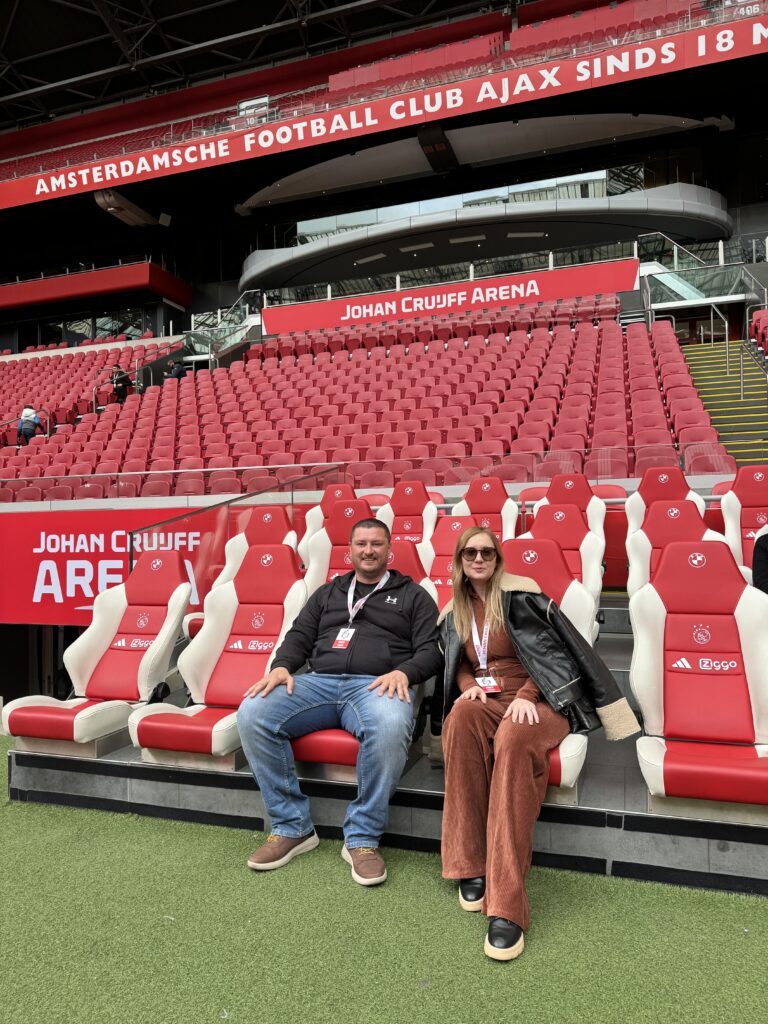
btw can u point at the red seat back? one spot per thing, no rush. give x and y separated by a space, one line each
265 576
705 691
267 524
540 560
148 590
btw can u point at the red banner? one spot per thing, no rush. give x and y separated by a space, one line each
55 563
683 51
538 286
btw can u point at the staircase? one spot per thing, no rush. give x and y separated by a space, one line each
742 425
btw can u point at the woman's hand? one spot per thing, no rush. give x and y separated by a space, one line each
521 710
474 693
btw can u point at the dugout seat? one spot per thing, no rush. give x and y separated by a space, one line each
119 661
543 561
659 483
317 515
486 500
574 489
266 524
745 511
665 521
410 513
328 548
582 549
337 746
436 554
246 618
700 674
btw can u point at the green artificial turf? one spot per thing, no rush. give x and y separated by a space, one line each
107 917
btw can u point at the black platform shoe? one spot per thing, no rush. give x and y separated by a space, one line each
471 892
505 939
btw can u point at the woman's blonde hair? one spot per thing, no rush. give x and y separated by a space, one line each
462 601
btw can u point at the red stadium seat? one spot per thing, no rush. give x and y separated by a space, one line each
665 483
699 634
120 660
665 522
245 620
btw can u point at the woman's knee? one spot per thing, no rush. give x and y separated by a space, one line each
465 714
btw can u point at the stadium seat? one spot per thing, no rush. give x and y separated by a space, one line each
410 513
745 511
328 549
316 515
486 499
665 521
120 660
573 489
246 618
582 549
665 483
543 561
700 675
436 554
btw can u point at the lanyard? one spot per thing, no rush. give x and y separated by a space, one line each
481 647
355 608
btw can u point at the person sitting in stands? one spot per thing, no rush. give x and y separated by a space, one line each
176 371
518 678
368 638
29 422
120 382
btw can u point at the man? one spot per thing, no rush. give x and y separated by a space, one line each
120 382
176 371
369 637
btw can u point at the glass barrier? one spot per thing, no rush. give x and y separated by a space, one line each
704 283
293 484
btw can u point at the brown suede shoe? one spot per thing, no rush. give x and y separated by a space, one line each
278 850
368 867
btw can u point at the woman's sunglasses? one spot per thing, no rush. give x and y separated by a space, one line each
470 554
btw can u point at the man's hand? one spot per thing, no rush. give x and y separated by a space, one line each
277 677
474 693
392 683
521 710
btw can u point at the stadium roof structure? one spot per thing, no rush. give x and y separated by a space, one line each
64 56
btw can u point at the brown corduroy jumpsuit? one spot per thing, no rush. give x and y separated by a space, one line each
496 774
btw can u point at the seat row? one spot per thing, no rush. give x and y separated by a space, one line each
699 669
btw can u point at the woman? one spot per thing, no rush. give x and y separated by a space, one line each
518 679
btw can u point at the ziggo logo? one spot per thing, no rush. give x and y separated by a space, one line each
713 665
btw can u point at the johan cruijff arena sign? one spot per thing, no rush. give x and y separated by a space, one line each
679 52
445 299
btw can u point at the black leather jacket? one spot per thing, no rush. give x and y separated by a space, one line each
572 678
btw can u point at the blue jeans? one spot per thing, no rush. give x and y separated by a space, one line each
382 725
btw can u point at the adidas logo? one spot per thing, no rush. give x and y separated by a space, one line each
120 643
682 663
236 646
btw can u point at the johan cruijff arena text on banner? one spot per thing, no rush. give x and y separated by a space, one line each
274 269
